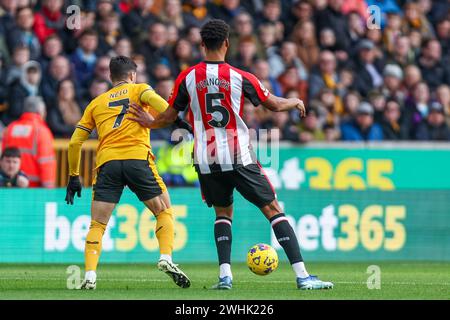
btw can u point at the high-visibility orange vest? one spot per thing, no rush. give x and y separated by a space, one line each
35 141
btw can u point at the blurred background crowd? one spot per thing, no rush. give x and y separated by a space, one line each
363 79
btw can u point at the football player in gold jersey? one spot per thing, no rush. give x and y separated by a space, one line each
124 157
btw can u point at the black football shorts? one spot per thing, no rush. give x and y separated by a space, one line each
250 181
139 175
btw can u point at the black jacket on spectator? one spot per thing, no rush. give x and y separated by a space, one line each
393 132
329 18
135 22
363 81
154 55
436 75
425 131
16 98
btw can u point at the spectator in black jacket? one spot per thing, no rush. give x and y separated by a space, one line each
155 48
391 125
434 126
138 20
435 70
368 68
333 18
26 86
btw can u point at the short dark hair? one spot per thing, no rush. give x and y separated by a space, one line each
120 66
10 153
214 33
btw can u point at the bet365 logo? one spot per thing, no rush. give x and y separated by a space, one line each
345 228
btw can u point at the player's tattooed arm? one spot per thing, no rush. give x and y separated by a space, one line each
278 104
146 120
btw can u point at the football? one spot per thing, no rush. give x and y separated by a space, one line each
262 259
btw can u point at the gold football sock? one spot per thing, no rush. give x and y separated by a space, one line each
93 245
165 231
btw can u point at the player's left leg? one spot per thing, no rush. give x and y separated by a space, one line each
254 185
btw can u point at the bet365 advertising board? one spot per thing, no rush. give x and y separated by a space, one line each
344 204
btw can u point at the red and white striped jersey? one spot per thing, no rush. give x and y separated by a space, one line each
214 94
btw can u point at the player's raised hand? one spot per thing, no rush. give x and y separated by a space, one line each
301 107
141 116
73 187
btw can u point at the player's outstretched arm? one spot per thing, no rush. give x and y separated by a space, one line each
74 156
146 120
278 104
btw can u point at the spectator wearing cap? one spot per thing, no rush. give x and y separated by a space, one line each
49 20
84 58
434 127
333 18
362 127
368 68
34 139
392 82
23 33
391 124
435 70
26 86
10 174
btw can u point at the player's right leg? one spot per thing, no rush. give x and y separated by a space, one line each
144 180
254 185
107 190
218 192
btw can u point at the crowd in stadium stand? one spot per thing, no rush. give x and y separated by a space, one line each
360 82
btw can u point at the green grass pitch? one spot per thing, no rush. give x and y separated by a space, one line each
399 280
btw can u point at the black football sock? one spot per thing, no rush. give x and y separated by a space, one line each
286 237
222 235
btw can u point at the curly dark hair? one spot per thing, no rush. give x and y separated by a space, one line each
214 33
